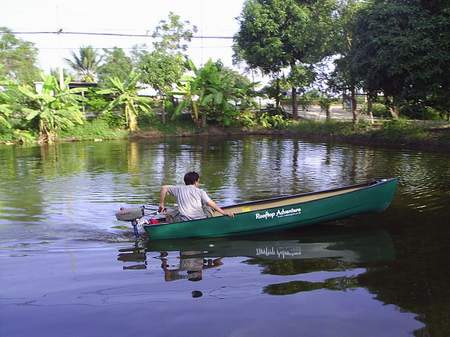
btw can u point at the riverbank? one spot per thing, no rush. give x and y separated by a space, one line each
393 134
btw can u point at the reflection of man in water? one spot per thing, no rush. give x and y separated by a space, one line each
190 268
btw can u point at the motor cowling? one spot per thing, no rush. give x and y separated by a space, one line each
129 214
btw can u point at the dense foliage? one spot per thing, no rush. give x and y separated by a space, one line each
52 108
125 97
18 58
215 93
116 64
292 34
402 50
317 52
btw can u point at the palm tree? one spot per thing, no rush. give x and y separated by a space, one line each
126 96
85 63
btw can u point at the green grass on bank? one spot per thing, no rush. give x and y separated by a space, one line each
96 129
89 130
327 128
176 127
399 131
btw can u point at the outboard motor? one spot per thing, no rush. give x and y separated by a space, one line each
132 215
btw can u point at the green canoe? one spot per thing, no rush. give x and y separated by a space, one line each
284 212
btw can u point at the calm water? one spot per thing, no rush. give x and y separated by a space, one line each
68 268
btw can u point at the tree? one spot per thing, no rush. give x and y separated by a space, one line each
293 34
164 66
276 90
125 97
342 79
161 70
116 64
18 58
53 108
85 63
402 48
173 35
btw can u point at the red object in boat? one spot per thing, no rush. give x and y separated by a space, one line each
154 221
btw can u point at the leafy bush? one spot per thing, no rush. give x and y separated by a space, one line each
96 103
380 110
247 118
419 112
401 129
18 136
24 136
273 121
147 119
114 118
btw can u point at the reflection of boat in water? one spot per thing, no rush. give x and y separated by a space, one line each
349 246
325 249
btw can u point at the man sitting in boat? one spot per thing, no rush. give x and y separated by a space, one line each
190 198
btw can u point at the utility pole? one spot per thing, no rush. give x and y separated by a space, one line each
60 67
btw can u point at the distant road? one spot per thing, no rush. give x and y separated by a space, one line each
315 113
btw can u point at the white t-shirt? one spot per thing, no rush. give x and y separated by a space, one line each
190 200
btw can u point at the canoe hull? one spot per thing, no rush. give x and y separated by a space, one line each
375 197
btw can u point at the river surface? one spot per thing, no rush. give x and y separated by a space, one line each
69 268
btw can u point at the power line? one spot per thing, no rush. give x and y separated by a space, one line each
61 32
132 48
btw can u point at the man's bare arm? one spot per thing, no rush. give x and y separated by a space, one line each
162 197
213 205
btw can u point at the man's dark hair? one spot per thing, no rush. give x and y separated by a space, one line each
191 177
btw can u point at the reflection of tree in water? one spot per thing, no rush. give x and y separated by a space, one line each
295 267
22 198
293 287
300 266
418 281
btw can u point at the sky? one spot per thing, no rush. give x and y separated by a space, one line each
212 18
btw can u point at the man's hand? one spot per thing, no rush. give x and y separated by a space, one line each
228 213
161 208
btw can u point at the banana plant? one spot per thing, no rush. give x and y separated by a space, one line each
125 96
53 108
188 88
213 91
199 91
5 110
5 102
